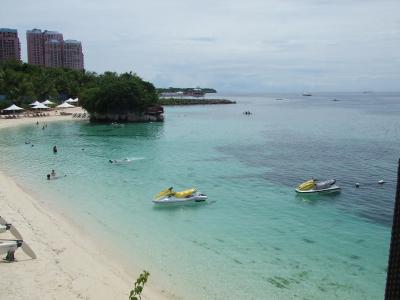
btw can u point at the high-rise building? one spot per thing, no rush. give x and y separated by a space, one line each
52 35
10 48
53 53
35 45
73 56
49 49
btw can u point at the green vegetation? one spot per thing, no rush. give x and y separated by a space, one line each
184 101
22 83
175 90
118 94
136 293
110 92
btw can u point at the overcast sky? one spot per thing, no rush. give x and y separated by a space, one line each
231 45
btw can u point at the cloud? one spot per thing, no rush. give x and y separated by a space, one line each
229 44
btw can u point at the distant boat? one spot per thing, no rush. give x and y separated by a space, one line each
307 94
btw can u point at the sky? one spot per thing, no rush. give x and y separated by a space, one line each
229 45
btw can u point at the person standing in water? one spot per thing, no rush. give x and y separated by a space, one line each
55 149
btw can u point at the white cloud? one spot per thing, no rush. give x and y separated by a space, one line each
232 45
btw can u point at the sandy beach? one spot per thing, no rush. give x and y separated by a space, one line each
53 116
70 265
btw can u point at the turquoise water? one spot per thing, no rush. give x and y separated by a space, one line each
254 238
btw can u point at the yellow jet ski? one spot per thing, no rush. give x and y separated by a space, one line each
168 196
315 186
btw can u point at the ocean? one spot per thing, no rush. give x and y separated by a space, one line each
254 238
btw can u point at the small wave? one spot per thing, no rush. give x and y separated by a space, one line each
135 158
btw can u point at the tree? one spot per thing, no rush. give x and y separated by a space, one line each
119 94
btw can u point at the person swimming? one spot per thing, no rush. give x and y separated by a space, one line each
117 161
55 149
53 173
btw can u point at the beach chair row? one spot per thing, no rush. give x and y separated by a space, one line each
80 115
10 116
35 115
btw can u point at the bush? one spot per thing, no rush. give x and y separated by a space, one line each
136 293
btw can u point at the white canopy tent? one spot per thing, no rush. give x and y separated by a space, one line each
13 108
70 100
65 105
34 103
40 106
47 102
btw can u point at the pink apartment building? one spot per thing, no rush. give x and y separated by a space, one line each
35 44
73 55
10 48
53 54
49 49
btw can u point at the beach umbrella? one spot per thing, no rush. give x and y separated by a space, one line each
13 108
65 105
47 102
40 106
34 103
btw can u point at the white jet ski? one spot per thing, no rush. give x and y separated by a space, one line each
315 186
168 196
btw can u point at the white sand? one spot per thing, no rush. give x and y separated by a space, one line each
29 120
70 265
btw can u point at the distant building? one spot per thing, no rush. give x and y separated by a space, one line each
35 45
10 48
53 53
52 35
73 55
49 49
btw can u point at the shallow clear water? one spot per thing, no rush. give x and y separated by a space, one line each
254 238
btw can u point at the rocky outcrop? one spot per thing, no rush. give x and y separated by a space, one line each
152 114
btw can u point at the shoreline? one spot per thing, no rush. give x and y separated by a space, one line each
70 264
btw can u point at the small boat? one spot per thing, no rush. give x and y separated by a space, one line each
168 196
307 94
315 186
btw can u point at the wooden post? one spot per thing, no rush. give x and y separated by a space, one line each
393 272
